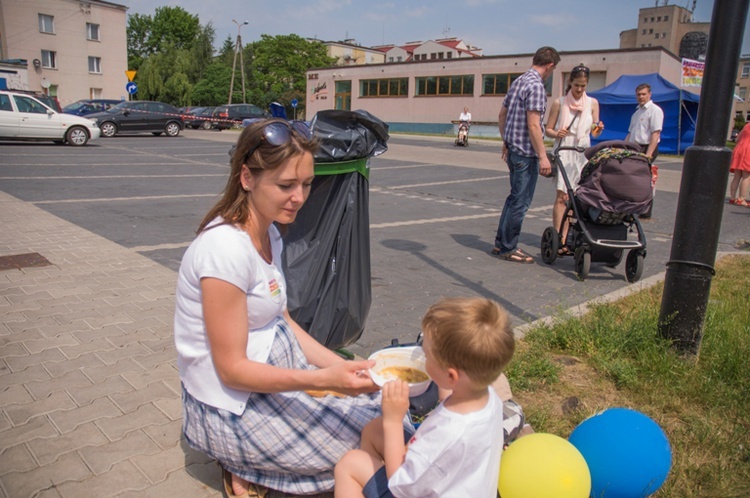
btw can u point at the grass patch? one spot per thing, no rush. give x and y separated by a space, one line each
614 356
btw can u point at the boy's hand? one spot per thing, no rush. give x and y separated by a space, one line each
395 400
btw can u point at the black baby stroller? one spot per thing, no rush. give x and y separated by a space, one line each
615 188
462 140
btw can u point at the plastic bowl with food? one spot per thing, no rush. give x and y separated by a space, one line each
406 363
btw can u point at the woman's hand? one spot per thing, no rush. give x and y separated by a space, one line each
349 377
395 400
561 133
597 128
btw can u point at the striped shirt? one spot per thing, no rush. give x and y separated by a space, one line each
527 93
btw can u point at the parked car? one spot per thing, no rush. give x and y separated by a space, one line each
47 100
23 117
230 115
201 119
89 106
139 116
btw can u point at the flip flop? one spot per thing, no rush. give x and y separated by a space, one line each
253 491
564 251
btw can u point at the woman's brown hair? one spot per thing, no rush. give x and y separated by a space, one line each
233 206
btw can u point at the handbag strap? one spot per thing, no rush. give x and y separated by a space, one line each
573 120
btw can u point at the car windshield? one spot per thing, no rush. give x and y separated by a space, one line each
74 106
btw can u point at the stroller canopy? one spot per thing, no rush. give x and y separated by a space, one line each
617 103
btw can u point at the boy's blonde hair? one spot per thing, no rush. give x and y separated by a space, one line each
470 334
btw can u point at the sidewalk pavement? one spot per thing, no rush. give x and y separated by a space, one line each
89 390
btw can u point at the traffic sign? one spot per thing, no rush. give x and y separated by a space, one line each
131 88
294 102
130 74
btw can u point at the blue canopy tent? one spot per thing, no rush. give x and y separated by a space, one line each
617 103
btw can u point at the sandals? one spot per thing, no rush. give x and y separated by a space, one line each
254 491
564 251
741 202
517 256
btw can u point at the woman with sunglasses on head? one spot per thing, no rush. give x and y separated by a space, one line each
572 119
244 363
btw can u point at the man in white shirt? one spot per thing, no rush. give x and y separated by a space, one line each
646 123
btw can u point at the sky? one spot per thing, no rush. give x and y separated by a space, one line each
498 27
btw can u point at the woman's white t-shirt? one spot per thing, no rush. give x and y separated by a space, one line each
227 253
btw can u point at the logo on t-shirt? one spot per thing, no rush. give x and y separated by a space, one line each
274 288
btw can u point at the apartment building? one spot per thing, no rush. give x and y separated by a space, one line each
71 49
743 88
671 27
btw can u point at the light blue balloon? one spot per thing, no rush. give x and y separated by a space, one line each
628 454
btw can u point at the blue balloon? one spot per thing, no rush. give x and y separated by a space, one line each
628 454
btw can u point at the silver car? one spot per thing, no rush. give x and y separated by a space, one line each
22 117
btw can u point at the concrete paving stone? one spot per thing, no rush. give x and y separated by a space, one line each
142 321
17 394
123 477
14 350
101 409
99 373
175 385
145 415
37 427
47 450
86 334
102 458
19 414
158 465
51 331
95 346
16 459
34 372
91 305
32 293
78 316
89 360
48 493
37 323
38 345
78 290
18 363
73 379
8 289
171 407
69 467
132 351
85 394
129 401
108 319
139 380
178 483
152 360
161 345
166 435
143 336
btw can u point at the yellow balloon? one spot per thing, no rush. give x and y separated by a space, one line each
542 466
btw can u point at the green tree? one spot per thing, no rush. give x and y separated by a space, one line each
277 67
226 53
139 28
174 27
163 77
213 88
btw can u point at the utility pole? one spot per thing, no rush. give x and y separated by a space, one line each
238 50
704 181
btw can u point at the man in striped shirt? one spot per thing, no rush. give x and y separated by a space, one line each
520 123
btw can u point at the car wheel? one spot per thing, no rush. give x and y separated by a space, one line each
108 129
172 129
206 125
77 136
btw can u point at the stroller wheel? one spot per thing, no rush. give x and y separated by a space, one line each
634 266
550 245
583 263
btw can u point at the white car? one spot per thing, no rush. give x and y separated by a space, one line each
22 117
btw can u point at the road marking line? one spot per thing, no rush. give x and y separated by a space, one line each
134 198
160 247
449 182
105 177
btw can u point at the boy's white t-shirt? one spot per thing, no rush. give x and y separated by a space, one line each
453 455
227 253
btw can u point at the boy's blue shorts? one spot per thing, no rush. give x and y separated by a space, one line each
377 486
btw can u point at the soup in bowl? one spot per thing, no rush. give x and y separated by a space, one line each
406 363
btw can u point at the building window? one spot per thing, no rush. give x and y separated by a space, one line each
49 59
745 70
666 18
387 87
497 84
46 24
92 31
449 55
445 85
656 35
644 32
650 31
390 59
652 19
95 65
658 19
742 93
398 58
95 93
663 35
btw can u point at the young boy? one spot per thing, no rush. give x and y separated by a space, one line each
456 451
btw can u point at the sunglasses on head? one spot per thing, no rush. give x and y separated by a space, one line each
580 69
279 133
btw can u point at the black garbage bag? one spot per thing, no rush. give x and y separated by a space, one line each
347 135
326 256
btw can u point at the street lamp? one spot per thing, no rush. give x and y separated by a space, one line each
238 50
